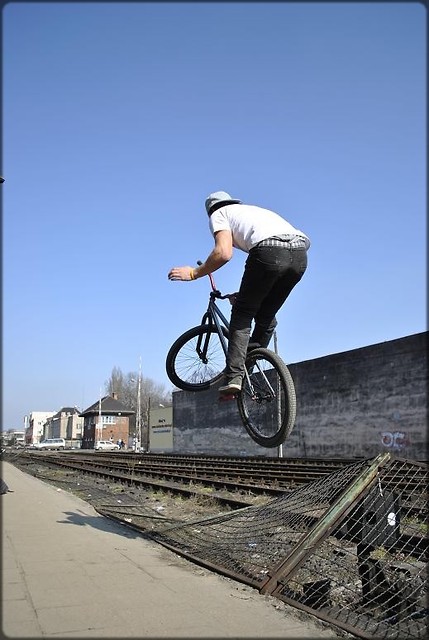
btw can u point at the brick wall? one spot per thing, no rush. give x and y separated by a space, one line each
118 431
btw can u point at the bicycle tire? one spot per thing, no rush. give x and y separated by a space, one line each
186 369
268 418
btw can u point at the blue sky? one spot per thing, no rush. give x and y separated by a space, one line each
120 118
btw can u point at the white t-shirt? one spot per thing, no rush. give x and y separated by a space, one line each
250 224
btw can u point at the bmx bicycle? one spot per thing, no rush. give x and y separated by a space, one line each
267 401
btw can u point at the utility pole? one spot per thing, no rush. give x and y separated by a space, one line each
148 425
279 412
99 430
139 410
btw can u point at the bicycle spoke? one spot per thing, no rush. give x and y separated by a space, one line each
262 402
197 360
192 368
267 400
260 387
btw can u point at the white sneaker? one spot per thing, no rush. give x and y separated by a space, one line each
230 388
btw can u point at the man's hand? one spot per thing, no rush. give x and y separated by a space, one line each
181 273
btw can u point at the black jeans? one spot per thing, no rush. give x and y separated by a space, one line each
269 276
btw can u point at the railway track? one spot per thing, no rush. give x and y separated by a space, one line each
246 475
236 480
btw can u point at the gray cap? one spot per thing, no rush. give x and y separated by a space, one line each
219 197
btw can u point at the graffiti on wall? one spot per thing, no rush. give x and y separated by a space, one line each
394 440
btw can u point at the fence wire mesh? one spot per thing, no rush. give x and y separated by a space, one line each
350 548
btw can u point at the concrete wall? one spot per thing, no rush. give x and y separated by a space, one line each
352 404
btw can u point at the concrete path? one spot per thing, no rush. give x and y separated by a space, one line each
68 572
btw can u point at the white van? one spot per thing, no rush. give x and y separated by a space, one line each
106 445
58 444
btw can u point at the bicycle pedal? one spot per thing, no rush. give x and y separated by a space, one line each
223 398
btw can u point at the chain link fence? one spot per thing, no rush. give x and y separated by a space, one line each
350 548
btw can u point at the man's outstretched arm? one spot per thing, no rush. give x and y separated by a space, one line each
221 254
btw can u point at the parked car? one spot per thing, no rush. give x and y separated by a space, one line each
58 444
106 445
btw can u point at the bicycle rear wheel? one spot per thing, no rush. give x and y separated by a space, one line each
193 370
267 402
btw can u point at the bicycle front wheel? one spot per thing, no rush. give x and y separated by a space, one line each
267 402
196 360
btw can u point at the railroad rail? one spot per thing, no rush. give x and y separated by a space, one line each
245 478
250 474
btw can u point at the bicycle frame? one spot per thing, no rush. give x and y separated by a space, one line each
214 318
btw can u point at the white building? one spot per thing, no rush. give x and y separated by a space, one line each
36 423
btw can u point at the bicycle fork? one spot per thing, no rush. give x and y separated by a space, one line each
203 341
202 347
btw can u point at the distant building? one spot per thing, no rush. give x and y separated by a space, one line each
106 419
34 433
13 437
67 423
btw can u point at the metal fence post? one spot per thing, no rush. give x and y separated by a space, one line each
333 516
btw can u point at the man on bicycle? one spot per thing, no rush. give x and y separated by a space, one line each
276 262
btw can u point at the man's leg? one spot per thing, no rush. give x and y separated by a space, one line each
265 320
258 278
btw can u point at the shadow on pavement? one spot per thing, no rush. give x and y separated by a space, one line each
98 522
